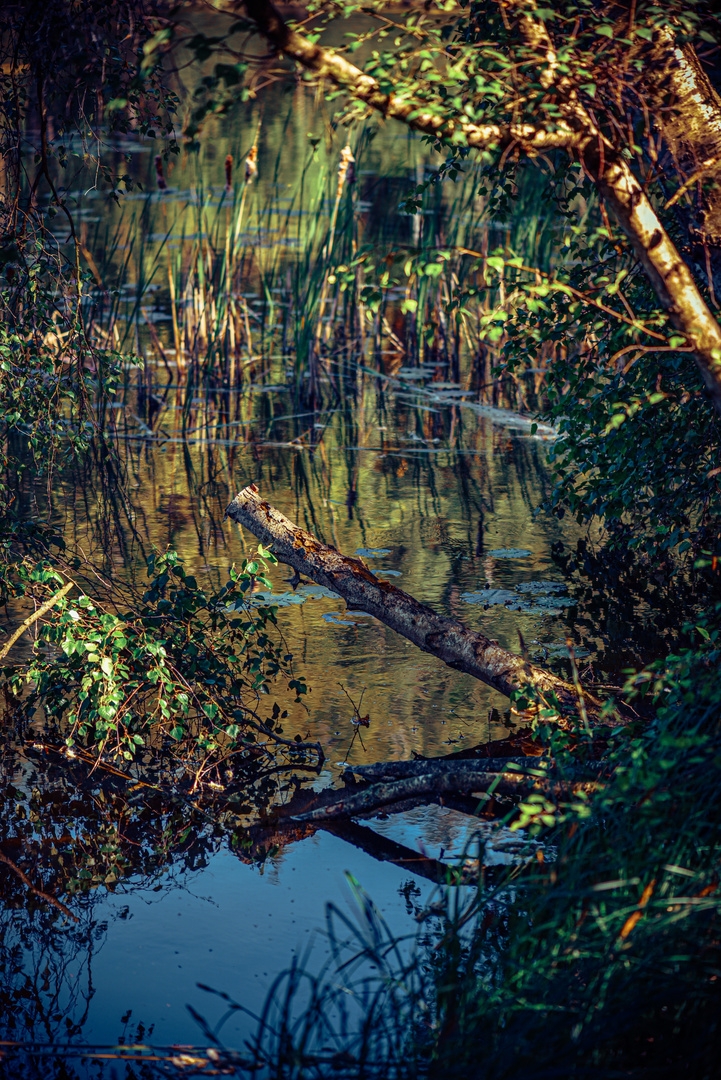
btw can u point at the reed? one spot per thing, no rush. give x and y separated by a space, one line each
261 280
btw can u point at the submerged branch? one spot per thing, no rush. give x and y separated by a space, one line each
444 637
442 778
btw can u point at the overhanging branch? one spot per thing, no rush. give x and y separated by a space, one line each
330 65
669 275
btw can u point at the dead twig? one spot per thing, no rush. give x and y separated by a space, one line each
32 619
38 892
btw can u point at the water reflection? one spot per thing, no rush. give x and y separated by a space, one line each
171 892
407 464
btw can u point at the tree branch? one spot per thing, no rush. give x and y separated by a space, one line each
328 64
456 777
447 638
669 275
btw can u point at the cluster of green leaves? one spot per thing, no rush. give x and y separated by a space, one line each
182 672
639 441
599 952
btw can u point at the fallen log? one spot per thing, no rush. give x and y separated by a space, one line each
399 770
435 782
445 637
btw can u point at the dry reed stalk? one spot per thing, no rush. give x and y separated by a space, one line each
232 348
228 275
251 172
248 339
157 344
344 172
179 354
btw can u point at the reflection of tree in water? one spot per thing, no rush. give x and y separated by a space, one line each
75 833
46 982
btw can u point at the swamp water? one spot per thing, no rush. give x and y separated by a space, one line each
440 495
215 899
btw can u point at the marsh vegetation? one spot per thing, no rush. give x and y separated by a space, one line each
447 341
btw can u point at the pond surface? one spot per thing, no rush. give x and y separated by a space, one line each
439 493
440 500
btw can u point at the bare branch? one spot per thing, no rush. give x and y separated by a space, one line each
447 638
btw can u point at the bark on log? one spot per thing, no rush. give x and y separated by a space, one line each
444 637
435 782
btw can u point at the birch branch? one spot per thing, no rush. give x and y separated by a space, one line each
574 129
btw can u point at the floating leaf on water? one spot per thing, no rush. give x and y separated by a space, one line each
538 608
444 391
510 553
315 592
537 603
559 649
549 603
268 599
536 587
414 373
264 598
490 596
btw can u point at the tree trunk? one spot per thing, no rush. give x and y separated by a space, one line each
573 129
690 124
447 638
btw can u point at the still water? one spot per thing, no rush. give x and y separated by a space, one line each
437 492
440 499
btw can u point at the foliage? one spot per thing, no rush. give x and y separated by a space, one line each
53 382
549 968
180 674
88 68
598 953
639 442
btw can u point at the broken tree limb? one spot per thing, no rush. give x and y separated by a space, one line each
434 782
445 637
32 619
